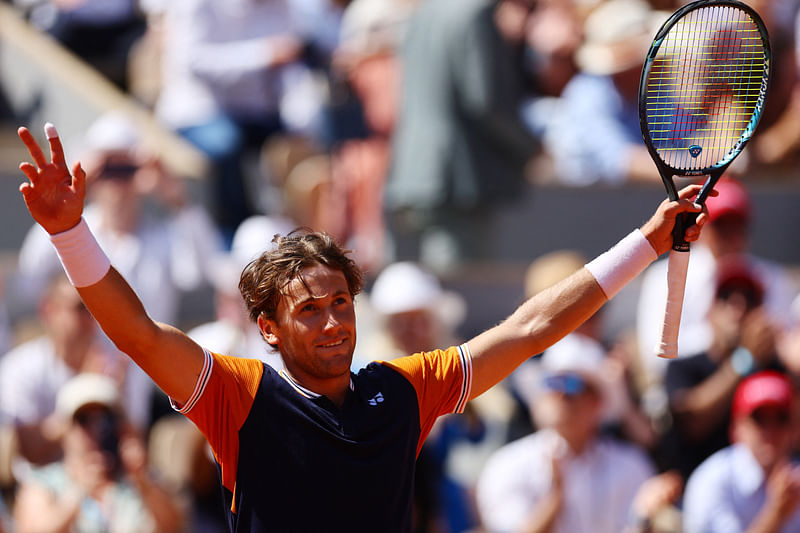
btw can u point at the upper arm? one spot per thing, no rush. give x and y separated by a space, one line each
537 324
171 359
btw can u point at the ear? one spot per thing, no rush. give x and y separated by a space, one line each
268 329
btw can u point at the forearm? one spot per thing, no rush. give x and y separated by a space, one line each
537 324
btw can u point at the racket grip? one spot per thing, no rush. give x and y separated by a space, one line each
676 283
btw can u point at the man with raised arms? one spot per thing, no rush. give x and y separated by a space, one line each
315 447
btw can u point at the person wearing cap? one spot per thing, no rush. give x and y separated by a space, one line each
592 133
699 387
731 215
102 482
567 476
753 485
298 447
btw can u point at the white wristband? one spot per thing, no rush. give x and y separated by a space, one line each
619 265
84 261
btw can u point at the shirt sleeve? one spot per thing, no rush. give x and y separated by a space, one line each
220 404
442 380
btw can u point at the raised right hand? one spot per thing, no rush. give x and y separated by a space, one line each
53 196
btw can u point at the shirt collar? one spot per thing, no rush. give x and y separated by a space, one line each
308 393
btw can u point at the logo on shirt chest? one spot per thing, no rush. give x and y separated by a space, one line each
375 400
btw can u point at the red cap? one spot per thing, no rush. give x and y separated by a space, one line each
733 199
734 273
767 387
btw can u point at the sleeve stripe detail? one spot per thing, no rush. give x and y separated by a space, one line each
199 388
466 384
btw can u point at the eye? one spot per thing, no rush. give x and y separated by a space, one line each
309 307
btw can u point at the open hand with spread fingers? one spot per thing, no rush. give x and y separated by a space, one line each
53 195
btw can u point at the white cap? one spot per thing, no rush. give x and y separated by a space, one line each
404 286
87 389
252 237
112 132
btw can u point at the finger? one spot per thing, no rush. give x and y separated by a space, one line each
690 191
30 171
79 180
56 150
33 147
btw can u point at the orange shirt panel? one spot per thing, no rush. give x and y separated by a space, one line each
223 407
442 379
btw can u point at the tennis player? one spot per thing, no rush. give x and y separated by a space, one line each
315 447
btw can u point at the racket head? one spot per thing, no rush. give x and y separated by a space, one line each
703 88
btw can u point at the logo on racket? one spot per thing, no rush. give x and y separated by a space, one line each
694 150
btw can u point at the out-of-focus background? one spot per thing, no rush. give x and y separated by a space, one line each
470 138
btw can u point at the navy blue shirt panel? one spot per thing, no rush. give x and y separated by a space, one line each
358 460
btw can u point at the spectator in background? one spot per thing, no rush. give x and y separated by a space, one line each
592 132
730 216
32 373
101 32
221 73
700 387
460 148
164 250
366 67
102 483
753 484
566 477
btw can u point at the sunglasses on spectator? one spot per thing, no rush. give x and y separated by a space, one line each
117 171
569 384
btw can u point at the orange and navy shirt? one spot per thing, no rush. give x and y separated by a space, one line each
291 460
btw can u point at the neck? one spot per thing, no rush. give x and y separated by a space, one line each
335 389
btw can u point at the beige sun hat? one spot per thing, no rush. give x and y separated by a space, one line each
617 36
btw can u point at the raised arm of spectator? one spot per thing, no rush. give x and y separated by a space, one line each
55 199
550 315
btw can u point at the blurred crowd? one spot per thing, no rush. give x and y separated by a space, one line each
405 128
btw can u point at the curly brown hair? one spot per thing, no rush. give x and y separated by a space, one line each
263 279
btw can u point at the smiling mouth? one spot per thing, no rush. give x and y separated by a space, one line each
333 344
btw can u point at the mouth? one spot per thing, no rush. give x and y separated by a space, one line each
333 344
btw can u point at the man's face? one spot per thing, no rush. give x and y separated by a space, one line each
314 326
767 432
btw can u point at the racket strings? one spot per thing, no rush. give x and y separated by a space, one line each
704 86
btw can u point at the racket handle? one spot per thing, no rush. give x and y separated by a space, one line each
676 283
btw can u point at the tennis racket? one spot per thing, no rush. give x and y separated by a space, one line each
701 94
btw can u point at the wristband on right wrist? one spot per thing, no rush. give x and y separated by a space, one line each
82 258
623 262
